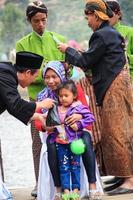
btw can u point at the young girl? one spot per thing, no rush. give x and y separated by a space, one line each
69 163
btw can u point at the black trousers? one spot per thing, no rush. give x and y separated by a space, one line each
88 158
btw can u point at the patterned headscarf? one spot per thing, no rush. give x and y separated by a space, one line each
56 66
100 8
59 69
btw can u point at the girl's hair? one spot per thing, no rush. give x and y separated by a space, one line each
69 85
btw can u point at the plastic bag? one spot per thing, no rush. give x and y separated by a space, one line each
53 117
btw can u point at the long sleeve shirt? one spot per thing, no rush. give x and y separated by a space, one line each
10 99
127 33
105 57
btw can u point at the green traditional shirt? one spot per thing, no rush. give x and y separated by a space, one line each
127 33
45 46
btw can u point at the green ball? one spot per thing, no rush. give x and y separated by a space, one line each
77 146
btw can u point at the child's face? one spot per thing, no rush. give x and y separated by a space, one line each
52 80
66 97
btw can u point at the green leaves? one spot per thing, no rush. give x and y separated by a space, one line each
12 25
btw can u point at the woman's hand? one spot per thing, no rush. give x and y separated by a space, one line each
62 47
46 103
72 119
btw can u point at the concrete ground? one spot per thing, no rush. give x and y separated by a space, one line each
24 194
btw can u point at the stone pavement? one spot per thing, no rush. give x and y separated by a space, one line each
24 194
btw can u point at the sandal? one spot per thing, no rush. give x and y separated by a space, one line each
94 195
65 196
57 196
74 196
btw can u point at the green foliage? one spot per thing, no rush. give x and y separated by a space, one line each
22 3
67 18
12 24
127 8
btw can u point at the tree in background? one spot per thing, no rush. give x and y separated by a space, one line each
127 9
12 23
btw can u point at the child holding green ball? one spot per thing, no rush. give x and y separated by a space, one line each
68 138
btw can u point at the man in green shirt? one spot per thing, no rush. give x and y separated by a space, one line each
126 31
44 43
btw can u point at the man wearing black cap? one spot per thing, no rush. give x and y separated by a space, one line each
23 73
44 43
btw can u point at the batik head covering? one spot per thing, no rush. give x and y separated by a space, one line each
35 7
114 5
100 8
59 69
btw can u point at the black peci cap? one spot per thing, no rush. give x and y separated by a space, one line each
28 60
